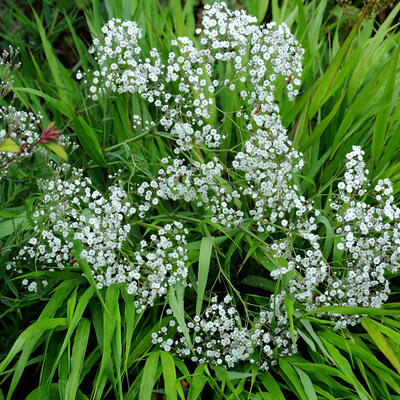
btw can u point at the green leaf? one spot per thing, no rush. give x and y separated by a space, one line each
289 303
347 310
373 330
345 367
197 383
131 318
382 118
59 150
51 101
204 266
36 329
178 18
80 308
9 146
148 379
109 325
369 58
293 379
321 127
272 386
77 358
260 282
178 311
12 226
169 373
258 8
307 384
323 92
90 142
60 75
44 392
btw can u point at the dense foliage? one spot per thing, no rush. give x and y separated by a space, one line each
199 200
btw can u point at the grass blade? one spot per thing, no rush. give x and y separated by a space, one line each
148 379
169 373
77 358
382 118
373 330
204 266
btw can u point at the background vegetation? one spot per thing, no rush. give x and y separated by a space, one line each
75 343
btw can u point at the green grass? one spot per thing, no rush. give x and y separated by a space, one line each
77 342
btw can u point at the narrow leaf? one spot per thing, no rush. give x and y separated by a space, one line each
204 266
381 342
169 373
148 379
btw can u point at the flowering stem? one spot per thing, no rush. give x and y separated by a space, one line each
251 234
129 140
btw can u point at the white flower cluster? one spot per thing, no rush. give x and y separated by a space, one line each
71 210
7 69
261 62
367 238
219 337
157 265
20 131
261 59
138 124
271 334
23 128
368 225
269 163
264 53
307 265
187 136
194 183
19 126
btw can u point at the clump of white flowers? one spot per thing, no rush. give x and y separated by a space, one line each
269 164
183 85
22 128
19 130
218 336
368 226
367 239
196 183
8 66
72 210
20 133
271 333
157 265
261 60
221 337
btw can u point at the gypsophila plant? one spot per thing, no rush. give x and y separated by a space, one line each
255 184
219 337
263 61
20 133
72 210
